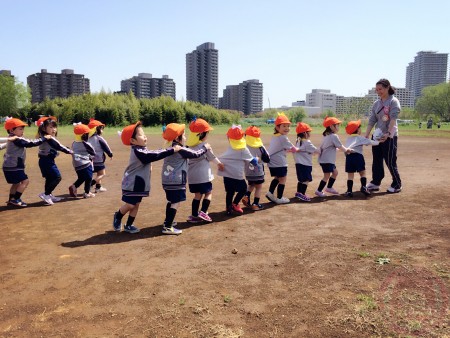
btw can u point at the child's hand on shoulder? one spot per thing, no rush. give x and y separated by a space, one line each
176 148
13 138
207 146
221 166
48 137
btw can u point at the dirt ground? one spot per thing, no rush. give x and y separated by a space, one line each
295 270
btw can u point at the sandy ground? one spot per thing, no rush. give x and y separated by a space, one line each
296 270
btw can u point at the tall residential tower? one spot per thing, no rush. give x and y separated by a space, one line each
146 86
202 75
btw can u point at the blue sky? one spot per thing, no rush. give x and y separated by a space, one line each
290 46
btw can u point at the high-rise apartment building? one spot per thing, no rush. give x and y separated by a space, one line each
146 86
246 97
322 98
202 75
428 69
54 85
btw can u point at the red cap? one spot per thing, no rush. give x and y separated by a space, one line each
282 119
95 123
235 133
352 127
81 129
199 126
128 132
329 121
14 123
302 128
42 119
253 131
173 131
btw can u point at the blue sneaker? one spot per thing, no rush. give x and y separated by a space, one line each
18 203
117 224
131 229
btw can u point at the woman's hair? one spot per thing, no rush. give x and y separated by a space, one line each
386 84
201 136
42 128
327 131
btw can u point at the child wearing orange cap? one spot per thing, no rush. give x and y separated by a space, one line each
14 160
47 153
303 160
279 145
235 159
354 162
82 156
174 174
101 148
327 157
136 178
199 171
255 173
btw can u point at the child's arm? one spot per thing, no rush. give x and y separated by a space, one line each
25 143
189 153
146 156
54 143
265 157
2 146
89 148
105 146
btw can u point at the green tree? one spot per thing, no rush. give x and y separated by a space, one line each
13 95
296 114
435 100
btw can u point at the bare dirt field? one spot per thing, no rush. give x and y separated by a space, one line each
295 270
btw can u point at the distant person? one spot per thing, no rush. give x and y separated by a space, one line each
430 123
384 114
420 125
439 125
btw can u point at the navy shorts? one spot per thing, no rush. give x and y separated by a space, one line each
278 171
234 185
133 200
202 188
354 163
98 167
85 174
175 196
14 177
48 167
303 172
255 182
327 167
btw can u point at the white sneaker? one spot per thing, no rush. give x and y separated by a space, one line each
171 231
56 199
101 189
331 191
46 198
282 200
394 190
320 193
373 187
271 197
88 195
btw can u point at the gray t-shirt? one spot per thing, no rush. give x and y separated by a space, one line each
382 113
234 162
356 143
328 148
199 169
304 156
277 150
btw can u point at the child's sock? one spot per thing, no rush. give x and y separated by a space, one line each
11 196
118 215
248 194
303 188
97 186
170 216
93 183
349 185
256 200
363 181
195 206
321 185
273 185
130 221
299 186
280 190
205 205
331 182
17 195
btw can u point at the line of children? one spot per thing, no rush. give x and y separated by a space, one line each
174 173
101 148
199 171
48 151
255 173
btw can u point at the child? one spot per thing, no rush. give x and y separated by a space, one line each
235 159
14 160
82 156
101 147
136 179
278 146
303 160
5 139
327 157
174 174
255 173
199 171
47 154
354 162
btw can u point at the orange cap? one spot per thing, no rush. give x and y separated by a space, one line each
235 133
14 123
253 131
199 126
352 127
95 123
128 132
172 131
281 119
302 128
329 121
81 129
42 119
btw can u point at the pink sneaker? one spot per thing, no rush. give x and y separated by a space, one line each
204 216
237 208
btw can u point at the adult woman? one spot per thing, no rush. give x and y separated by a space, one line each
384 116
